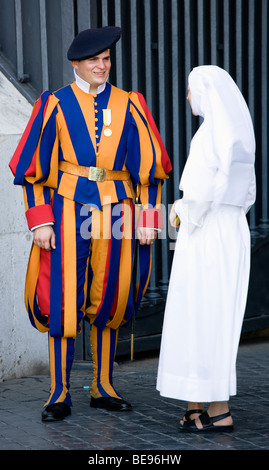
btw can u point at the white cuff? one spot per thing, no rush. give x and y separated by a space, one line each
41 225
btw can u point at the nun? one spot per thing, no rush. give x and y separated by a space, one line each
210 272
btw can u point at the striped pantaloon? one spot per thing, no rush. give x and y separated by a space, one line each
89 273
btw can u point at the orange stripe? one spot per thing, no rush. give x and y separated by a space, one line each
118 101
66 142
67 186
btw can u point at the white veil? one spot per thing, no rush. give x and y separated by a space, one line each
220 166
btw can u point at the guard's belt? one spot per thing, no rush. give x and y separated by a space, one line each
94 173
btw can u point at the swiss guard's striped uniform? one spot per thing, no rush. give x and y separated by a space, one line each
71 134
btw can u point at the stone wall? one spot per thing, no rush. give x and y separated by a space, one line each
23 350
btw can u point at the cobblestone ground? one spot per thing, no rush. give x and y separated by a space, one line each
153 423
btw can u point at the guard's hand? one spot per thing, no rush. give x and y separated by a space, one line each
146 236
44 237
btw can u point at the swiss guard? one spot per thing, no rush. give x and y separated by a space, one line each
88 152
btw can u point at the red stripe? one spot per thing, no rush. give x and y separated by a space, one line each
43 283
115 301
133 220
151 218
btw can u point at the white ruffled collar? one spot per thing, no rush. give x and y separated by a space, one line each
85 86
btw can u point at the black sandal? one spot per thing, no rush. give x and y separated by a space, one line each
208 423
188 414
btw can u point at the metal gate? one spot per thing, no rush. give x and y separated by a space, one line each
162 40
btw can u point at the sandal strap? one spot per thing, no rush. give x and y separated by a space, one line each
207 420
220 417
190 412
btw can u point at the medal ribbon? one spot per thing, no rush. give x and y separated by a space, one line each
107 117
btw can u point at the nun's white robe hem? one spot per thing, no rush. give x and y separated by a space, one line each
205 305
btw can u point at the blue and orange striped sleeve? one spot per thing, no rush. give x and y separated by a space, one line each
35 161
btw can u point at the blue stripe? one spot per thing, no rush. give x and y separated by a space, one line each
56 272
77 127
144 264
46 144
133 157
46 194
86 192
152 194
120 190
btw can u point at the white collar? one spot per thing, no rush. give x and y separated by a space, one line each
85 86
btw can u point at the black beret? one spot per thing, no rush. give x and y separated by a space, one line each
91 42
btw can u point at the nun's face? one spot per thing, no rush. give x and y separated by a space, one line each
94 70
189 99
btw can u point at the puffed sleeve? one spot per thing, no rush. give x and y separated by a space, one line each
35 161
147 161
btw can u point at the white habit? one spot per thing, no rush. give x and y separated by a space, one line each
210 272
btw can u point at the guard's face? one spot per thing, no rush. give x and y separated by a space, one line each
94 70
